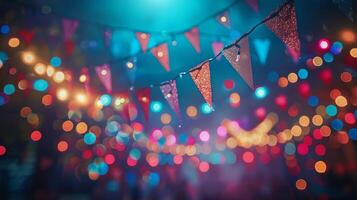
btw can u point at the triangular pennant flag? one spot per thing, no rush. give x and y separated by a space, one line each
345 6
107 37
69 28
143 96
224 19
253 4
239 57
26 36
161 53
284 25
193 36
262 47
217 47
105 76
202 78
169 91
69 46
143 40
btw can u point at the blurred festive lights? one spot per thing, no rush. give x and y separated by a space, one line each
40 85
14 42
156 106
324 44
348 36
81 98
40 68
261 92
28 57
353 52
105 100
62 94
206 108
56 61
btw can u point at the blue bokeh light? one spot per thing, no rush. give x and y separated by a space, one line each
261 92
105 99
9 89
56 61
40 85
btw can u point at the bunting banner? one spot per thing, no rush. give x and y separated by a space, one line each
345 7
143 96
169 91
253 4
217 47
285 27
202 78
105 76
239 58
161 53
194 38
262 47
26 35
143 39
69 28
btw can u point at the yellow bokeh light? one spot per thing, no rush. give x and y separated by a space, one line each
191 111
348 36
353 52
104 72
304 121
231 143
58 77
341 101
14 42
165 118
301 184
50 70
317 120
62 94
81 98
129 65
143 36
296 130
40 68
235 98
83 78
81 128
320 167
160 54
28 57
224 19
293 78
317 61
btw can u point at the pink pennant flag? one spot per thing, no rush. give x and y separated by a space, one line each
194 37
239 58
107 37
169 91
224 19
284 25
105 76
143 96
161 53
253 4
217 47
202 78
69 28
143 39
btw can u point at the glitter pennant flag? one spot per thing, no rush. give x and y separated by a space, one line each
105 76
253 4
69 28
169 91
193 36
143 96
202 78
217 47
143 39
161 53
284 25
345 6
239 58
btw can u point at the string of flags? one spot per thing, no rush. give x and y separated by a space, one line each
282 22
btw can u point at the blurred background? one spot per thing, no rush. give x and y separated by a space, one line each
81 153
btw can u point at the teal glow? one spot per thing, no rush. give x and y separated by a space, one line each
331 110
135 154
303 73
89 138
262 47
206 109
105 99
328 57
56 61
40 85
261 92
9 89
156 106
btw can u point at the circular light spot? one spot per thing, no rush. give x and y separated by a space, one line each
283 82
296 130
206 108
89 138
62 94
348 36
40 85
2 150
25 111
165 118
292 78
336 48
328 57
36 136
317 61
191 111
59 77
341 101
9 89
204 136
14 42
40 68
353 52
62 146
248 157
47 100
346 77
156 106
320 167
67 126
331 110
301 184
81 128
105 99
203 166
28 57
317 120
304 121
324 44
261 92
56 61
5 29
303 73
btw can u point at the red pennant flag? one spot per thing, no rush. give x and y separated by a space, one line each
26 36
217 47
253 4
143 96
202 78
194 37
161 53
69 46
284 25
69 28
239 58
169 91
105 76
143 40
224 19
